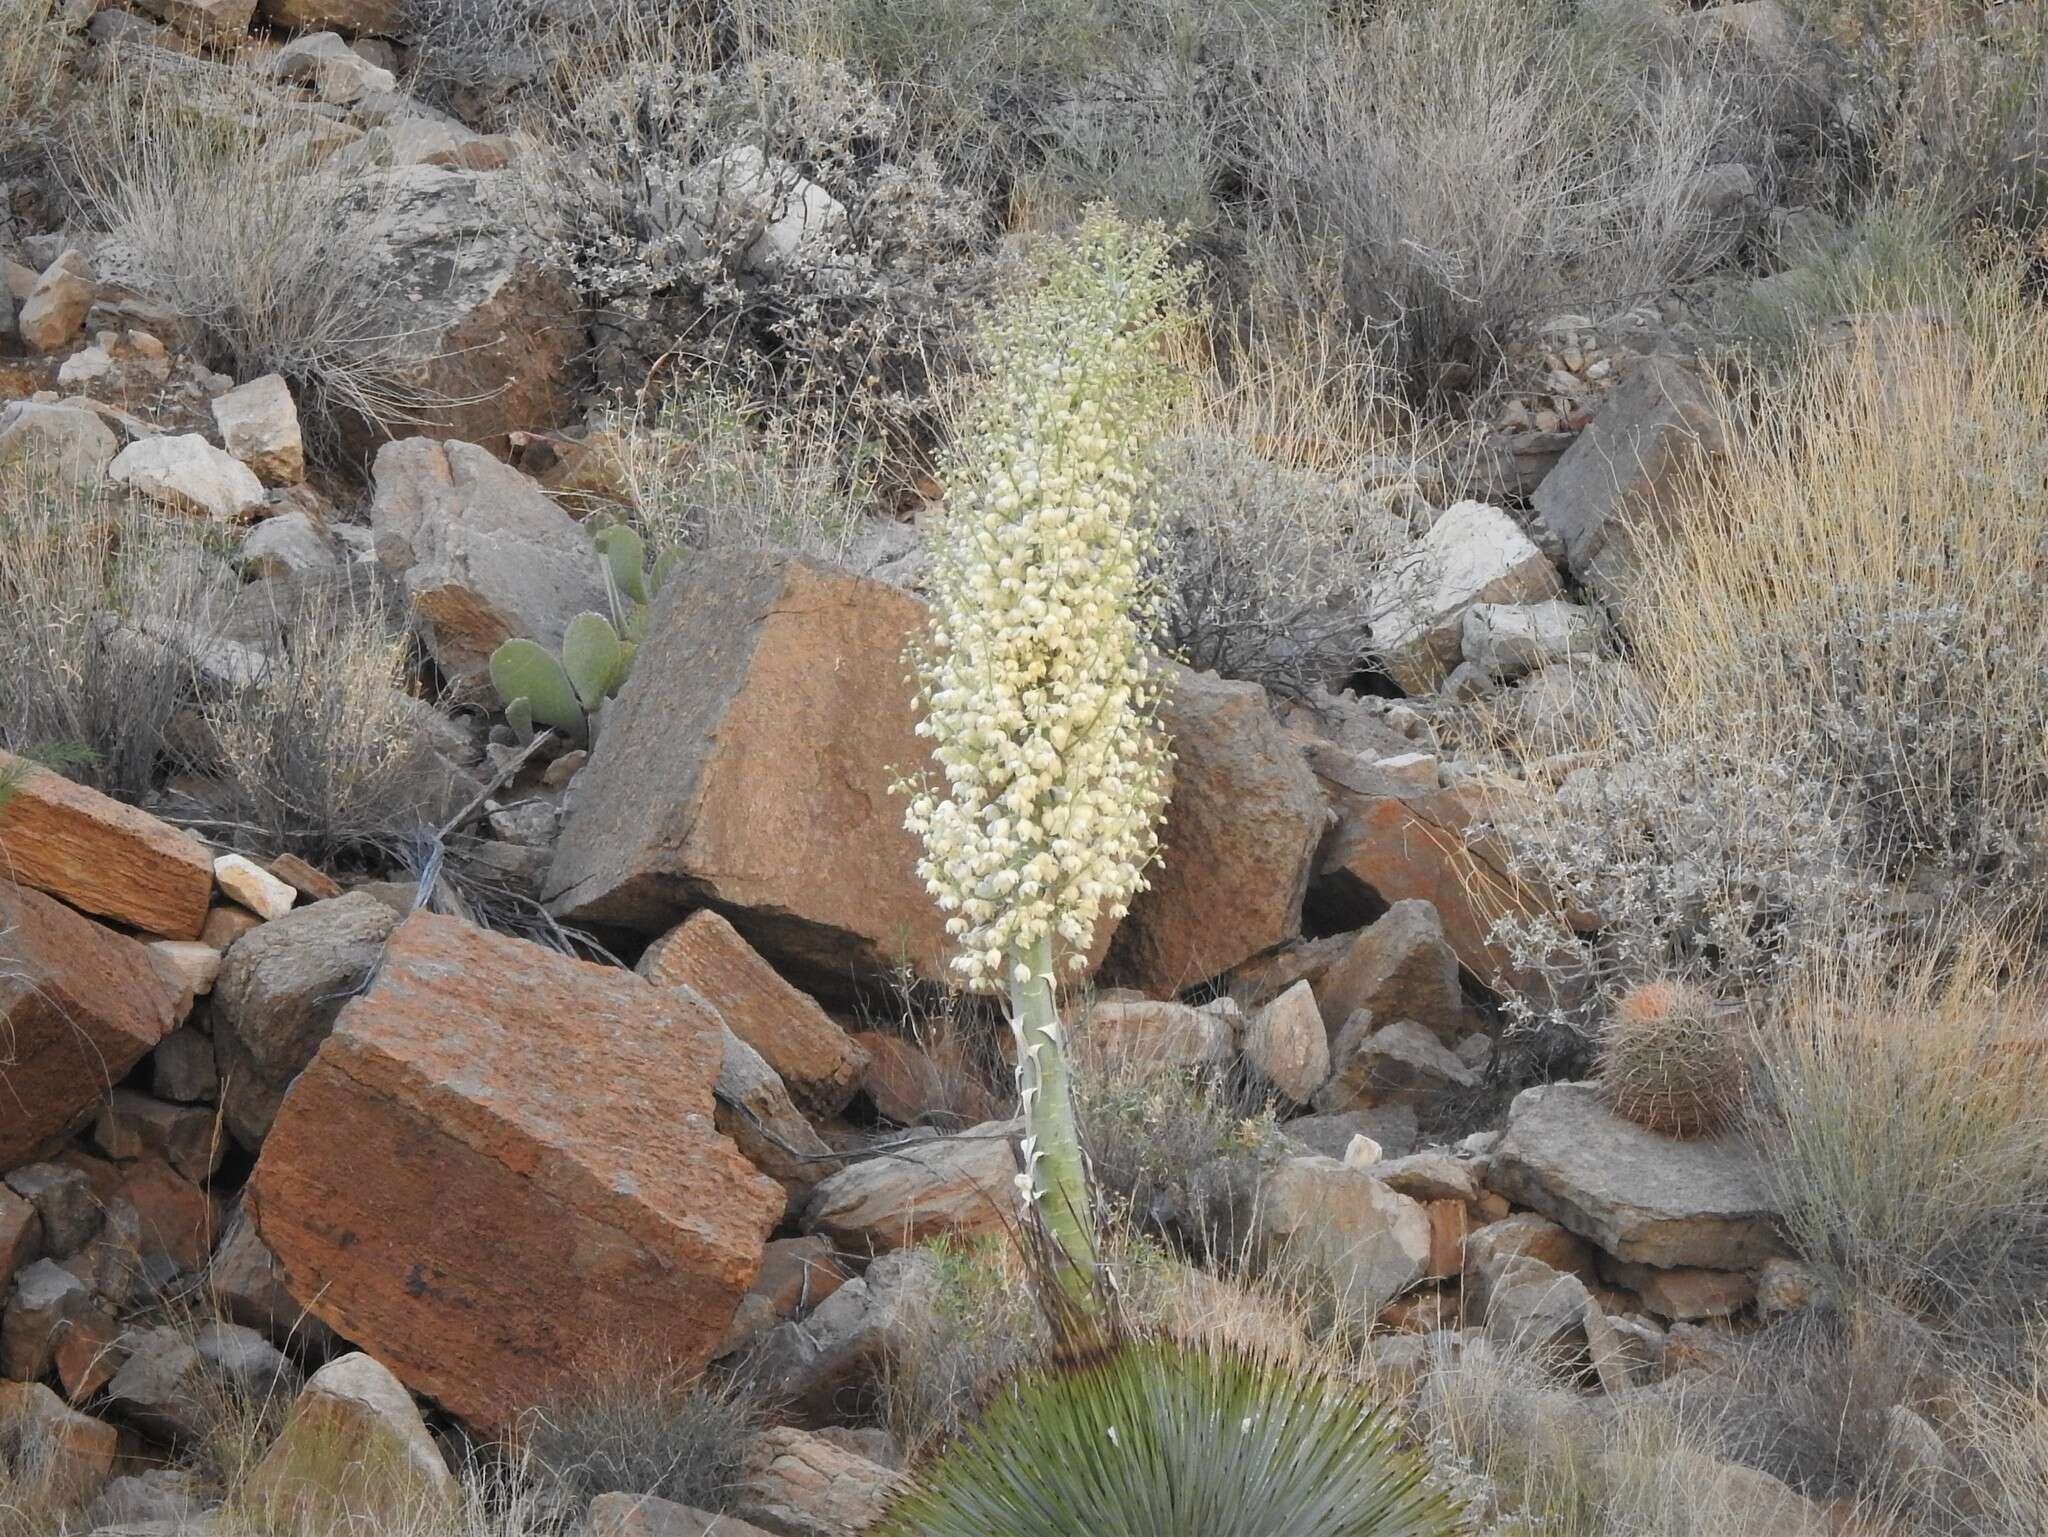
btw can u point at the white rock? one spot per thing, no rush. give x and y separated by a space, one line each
260 426
1507 640
287 545
86 366
189 474
336 72
1472 554
798 216
246 882
65 441
195 965
1361 1152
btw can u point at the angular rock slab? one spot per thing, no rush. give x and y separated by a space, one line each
502 1168
101 856
79 1006
483 323
1238 838
1346 1229
803 1044
482 552
748 764
1640 1197
962 1187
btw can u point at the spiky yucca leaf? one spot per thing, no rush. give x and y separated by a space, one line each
1161 1439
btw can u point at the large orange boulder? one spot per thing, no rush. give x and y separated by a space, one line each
747 764
101 856
1237 842
79 1006
501 1170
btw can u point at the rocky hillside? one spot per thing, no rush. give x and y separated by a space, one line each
478 1057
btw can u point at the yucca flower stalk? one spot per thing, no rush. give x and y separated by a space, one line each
1037 681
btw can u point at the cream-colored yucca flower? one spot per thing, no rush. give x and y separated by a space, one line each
1038 683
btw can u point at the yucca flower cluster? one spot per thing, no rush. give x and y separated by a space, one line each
1038 682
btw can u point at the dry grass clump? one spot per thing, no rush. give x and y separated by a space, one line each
711 472
1174 1150
1469 163
980 1326
1671 1059
2001 1428
633 1432
1852 592
102 609
31 71
33 1501
255 234
1840 732
1904 1134
320 749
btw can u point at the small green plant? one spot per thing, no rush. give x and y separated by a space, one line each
1164 1438
568 693
1672 1059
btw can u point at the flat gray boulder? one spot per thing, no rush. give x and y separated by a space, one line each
1643 1198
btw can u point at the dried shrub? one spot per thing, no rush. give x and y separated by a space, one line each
1942 104
32 72
1841 735
710 472
1269 569
1469 164
1672 1059
103 607
670 170
253 235
1175 1151
1063 101
636 1432
1903 1134
320 749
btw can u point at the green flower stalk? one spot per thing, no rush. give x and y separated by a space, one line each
1037 682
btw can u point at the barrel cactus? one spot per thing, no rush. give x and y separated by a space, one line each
1162 1439
1672 1059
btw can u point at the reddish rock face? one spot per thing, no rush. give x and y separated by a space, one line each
1237 842
103 857
501 1171
79 1006
748 762
816 1059
1388 849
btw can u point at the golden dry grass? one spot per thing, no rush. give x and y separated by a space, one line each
1856 589
1905 1134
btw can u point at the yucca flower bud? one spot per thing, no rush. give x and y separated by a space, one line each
1038 683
